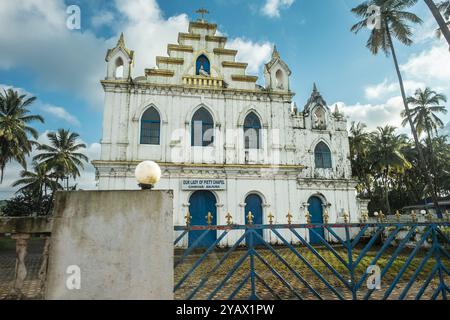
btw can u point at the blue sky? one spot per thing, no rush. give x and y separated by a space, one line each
63 67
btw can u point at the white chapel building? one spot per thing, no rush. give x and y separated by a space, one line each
224 143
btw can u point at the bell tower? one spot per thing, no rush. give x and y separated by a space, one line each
119 61
277 73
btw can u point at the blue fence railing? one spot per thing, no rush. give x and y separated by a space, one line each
347 261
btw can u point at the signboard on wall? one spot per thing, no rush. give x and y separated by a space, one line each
203 184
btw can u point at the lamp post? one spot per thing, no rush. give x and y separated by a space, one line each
147 173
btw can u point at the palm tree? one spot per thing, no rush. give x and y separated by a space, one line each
359 141
443 27
444 7
62 155
393 23
38 181
427 104
14 129
387 155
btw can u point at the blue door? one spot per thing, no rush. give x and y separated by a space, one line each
253 204
316 212
202 202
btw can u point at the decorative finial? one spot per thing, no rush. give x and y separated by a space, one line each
382 216
188 218
289 217
275 53
271 216
315 87
308 217
229 219
121 42
413 216
364 217
398 215
429 216
346 216
250 217
202 12
209 218
326 216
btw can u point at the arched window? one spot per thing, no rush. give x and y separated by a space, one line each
279 78
252 131
322 156
202 67
150 126
118 73
202 128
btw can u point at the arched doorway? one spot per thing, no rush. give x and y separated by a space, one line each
316 212
200 203
253 204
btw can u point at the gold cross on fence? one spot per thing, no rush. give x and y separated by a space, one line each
209 218
250 217
289 217
188 218
326 216
229 218
271 216
345 214
398 215
202 12
308 217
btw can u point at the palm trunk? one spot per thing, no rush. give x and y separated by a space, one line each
2 171
422 162
386 190
432 166
439 19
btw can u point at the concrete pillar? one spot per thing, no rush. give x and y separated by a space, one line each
111 245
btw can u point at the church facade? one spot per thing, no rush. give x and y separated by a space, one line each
226 145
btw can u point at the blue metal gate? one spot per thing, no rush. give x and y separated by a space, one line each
412 259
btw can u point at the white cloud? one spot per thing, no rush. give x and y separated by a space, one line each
60 113
255 54
55 111
375 115
272 8
72 61
386 88
430 65
61 59
146 15
426 31
104 18
146 31
429 68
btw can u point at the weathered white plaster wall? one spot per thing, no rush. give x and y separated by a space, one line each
121 241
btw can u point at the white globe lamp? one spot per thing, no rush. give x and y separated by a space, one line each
147 173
